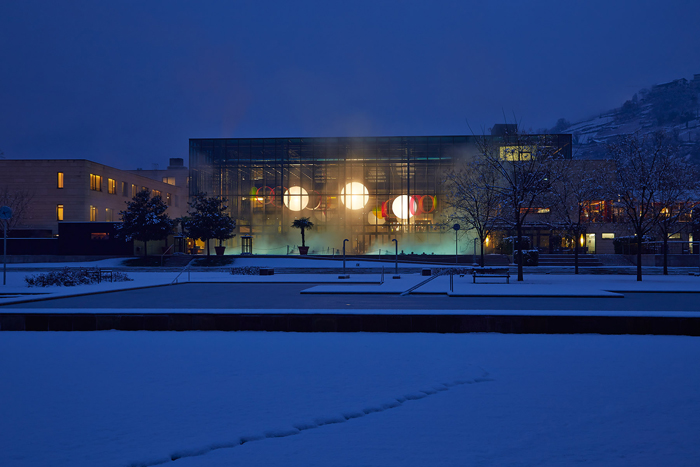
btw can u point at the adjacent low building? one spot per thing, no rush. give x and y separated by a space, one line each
47 193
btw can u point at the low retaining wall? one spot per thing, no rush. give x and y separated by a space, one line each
351 323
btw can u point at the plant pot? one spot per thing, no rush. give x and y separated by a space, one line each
220 250
303 250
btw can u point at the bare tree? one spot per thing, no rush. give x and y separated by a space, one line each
577 184
642 162
676 198
523 166
473 198
20 201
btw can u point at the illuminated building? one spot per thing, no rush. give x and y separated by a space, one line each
369 190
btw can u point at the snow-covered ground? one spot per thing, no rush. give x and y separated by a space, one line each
140 398
550 285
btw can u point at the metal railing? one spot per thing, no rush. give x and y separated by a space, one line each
165 253
186 268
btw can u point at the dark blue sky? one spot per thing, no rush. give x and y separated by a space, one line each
127 83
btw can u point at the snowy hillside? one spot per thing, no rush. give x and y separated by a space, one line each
672 106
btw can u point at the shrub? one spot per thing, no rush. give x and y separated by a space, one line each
530 257
246 271
69 277
509 244
628 245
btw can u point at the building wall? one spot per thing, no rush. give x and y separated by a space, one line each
39 178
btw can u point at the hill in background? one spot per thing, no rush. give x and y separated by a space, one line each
673 107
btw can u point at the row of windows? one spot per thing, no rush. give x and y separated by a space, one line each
109 213
126 188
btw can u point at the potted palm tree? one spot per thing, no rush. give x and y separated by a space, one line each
303 224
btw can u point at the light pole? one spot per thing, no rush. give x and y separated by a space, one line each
475 239
6 215
456 227
346 240
4 254
396 267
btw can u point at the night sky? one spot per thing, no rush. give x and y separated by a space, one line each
128 83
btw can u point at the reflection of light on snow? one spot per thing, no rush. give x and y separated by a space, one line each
296 198
354 195
374 220
404 206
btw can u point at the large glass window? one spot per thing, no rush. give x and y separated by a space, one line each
59 212
369 190
93 214
112 186
60 180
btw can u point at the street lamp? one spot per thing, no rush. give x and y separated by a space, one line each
456 227
6 215
346 240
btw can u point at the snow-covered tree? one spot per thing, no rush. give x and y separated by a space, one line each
522 163
208 219
643 162
577 184
20 201
145 219
471 194
676 198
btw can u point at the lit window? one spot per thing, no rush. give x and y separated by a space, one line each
59 212
60 179
516 153
168 199
95 182
169 180
124 189
93 213
144 188
607 235
108 215
156 193
133 190
112 186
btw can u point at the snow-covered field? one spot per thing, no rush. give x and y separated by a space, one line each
139 398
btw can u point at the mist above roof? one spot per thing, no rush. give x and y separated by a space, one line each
502 129
176 163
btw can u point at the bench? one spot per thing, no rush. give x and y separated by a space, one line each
105 274
492 272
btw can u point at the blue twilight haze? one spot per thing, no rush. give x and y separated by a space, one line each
127 83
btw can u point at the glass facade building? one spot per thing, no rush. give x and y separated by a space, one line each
369 190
